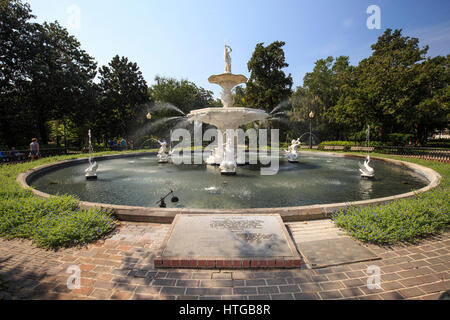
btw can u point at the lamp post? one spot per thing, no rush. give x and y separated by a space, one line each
311 116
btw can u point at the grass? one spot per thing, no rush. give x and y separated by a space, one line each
58 222
403 220
53 223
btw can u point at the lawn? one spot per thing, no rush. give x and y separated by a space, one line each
53 223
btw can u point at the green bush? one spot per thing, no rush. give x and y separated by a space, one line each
350 143
53 223
403 220
438 143
400 139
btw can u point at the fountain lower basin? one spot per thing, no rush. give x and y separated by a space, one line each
227 118
302 205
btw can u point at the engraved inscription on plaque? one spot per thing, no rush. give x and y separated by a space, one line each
241 228
227 236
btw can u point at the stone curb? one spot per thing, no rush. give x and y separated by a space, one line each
288 214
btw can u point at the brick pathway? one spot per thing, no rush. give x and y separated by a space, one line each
121 267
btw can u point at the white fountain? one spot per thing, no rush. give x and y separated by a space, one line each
226 118
91 171
366 170
292 152
163 156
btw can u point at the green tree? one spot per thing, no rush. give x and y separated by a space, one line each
62 76
385 82
429 100
122 99
45 75
168 95
268 85
182 94
329 82
16 56
239 97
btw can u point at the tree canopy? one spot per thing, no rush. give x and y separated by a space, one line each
397 90
49 89
268 85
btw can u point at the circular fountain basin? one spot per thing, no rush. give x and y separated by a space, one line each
227 118
313 188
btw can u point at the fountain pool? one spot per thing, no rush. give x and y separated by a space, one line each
318 178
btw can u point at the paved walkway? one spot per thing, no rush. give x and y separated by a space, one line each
121 267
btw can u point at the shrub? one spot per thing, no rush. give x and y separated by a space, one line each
53 223
400 139
404 219
350 143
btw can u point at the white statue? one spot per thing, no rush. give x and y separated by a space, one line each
292 152
228 50
228 164
91 171
163 157
366 170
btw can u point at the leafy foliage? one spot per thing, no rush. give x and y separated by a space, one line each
123 94
397 90
47 76
268 85
53 223
404 220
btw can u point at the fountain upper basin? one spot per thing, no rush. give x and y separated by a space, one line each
227 80
227 118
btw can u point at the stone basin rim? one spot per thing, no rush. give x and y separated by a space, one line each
288 214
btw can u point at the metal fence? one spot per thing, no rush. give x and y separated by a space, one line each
426 153
13 156
436 154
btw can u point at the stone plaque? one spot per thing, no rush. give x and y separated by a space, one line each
230 237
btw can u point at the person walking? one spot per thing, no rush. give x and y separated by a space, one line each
34 149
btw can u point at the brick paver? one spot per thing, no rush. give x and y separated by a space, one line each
121 267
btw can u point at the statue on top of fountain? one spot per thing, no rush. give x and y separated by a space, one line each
228 50
163 157
292 152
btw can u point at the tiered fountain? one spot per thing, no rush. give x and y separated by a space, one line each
226 118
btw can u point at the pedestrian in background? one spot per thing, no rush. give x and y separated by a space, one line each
34 149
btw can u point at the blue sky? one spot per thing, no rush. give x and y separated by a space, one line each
185 39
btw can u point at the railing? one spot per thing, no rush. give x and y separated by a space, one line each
426 153
13 156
